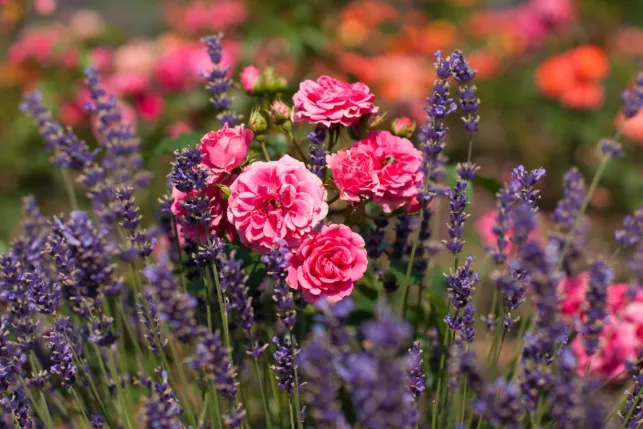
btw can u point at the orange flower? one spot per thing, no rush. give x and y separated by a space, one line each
590 62
554 75
583 95
485 63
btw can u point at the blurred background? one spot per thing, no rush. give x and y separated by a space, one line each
550 77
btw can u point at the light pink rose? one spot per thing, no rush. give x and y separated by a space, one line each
150 106
328 101
274 201
633 313
126 83
619 344
354 173
249 77
328 264
485 225
225 149
397 164
177 128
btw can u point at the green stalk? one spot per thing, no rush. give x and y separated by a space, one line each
119 389
69 187
180 253
80 407
296 386
43 402
629 414
416 238
42 414
292 419
264 398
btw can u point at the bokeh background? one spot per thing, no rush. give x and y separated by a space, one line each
550 76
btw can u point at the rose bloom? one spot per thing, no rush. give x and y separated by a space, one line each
329 101
249 77
554 75
397 165
354 174
328 264
590 62
583 95
618 344
632 128
274 201
225 149
485 226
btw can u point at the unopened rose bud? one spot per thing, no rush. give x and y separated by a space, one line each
279 112
257 123
403 127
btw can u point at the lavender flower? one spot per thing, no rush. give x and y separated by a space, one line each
461 284
29 245
317 362
600 277
565 394
377 378
234 418
211 359
284 367
97 421
375 238
162 409
218 81
632 414
233 282
505 199
174 306
633 98
43 295
186 174
276 262
528 180
17 299
500 403
122 158
457 205
317 152
82 261
416 374
632 230
12 357
467 331
62 352
405 225
67 151
17 403
463 363
151 322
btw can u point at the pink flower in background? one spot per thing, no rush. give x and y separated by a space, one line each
150 106
274 201
37 45
619 344
127 83
177 128
328 264
225 149
397 164
631 128
100 57
199 16
329 101
44 7
249 77
633 313
487 222
571 291
354 174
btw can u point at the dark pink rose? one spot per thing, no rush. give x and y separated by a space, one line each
328 264
249 77
225 149
328 101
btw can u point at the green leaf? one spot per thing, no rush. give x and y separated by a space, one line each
169 145
487 183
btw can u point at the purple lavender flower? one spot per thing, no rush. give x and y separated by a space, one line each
174 306
375 238
17 403
67 151
62 352
211 359
44 295
317 152
500 403
12 357
284 366
151 322
461 284
186 174
565 393
234 418
467 331
633 404
566 215
457 216
633 98
505 199
317 362
463 363
122 158
600 277
29 245
97 421
469 105
233 282
162 409
276 263
377 379
218 81
82 261
417 378
632 230
405 225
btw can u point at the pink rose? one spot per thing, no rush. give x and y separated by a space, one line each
225 149
397 165
249 77
633 313
150 106
127 83
274 201
619 344
403 127
572 295
485 226
329 101
328 264
354 174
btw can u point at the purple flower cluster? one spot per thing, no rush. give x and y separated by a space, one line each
162 408
566 392
500 403
284 366
417 378
276 262
218 81
211 359
632 413
150 318
633 98
62 352
600 277
460 286
317 151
